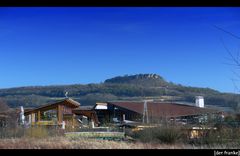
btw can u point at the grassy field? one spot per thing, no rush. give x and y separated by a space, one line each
80 143
163 137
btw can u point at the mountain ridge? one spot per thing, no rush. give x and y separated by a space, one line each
130 87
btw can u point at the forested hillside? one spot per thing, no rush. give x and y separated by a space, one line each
128 87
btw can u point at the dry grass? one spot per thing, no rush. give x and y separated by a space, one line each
158 138
80 143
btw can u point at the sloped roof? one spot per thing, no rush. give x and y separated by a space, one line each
163 109
70 102
84 108
73 102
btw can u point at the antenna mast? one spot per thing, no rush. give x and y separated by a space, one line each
145 110
66 94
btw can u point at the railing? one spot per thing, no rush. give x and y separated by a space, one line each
100 129
97 135
44 123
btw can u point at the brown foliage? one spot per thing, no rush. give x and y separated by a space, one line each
3 106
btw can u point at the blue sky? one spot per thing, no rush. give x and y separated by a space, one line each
80 45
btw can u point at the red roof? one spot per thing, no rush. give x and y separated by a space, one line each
159 109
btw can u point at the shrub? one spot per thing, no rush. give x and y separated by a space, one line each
37 132
44 131
6 132
223 136
167 134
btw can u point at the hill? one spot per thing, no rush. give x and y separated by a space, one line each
147 80
128 87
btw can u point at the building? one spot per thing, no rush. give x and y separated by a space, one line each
88 113
151 112
63 113
53 114
69 112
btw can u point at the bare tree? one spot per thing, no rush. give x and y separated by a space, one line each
9 117
234 61
3 106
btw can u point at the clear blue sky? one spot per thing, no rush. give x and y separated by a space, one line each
46 46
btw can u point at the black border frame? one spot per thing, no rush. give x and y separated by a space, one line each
120 3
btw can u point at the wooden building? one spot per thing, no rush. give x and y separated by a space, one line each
89 112
53 114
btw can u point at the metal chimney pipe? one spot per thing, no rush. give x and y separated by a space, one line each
22 117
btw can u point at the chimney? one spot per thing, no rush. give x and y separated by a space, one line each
123 117
22 117
199 101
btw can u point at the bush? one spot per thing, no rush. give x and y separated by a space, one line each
167 135
145 135
44 131
6 132
37 132
224 136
